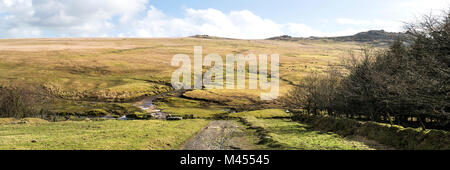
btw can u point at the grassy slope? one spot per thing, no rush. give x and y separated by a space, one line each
267 113
289 135
121 69
184 107
99 135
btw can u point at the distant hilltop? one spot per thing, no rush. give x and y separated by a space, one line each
373 36
208 37
203 36
376 37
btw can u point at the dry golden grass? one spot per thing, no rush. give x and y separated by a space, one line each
120 69
82 70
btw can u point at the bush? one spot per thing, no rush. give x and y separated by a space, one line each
97 113
411 78
21 100
391 135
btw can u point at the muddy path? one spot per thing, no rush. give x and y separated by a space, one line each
221 135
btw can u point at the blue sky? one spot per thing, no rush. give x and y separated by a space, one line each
312 12
230 18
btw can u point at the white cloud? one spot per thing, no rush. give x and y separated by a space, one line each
399 13
411 10
302 30
65 17
375 24
135 18
25 31
236 24
418 7
131 18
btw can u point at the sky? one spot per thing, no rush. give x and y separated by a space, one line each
246 19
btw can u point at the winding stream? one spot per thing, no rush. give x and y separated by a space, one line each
147 105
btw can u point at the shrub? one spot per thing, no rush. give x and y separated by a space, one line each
21 100
391 135
408 79
97 112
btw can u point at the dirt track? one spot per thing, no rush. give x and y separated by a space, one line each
220 135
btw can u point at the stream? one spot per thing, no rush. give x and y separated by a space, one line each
147 105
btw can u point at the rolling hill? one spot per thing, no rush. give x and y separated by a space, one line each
375 37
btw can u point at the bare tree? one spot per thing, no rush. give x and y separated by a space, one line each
21 100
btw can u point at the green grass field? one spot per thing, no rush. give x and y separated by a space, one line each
99 135
267 113
288 135
185 108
